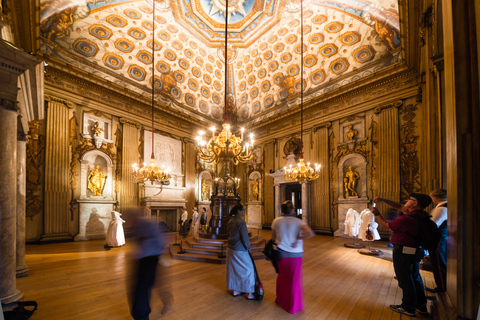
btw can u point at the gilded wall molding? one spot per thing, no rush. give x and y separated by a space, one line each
395 104
35 169
66 103
87 145
130 122
410 178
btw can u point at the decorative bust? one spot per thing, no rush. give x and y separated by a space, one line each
96 181
351 133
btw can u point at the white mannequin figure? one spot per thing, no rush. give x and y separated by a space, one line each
368 221
352 222
115 235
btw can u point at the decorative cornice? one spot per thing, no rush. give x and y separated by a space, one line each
327 124
347 99
187 140
66 103
130 122
394 104
9 105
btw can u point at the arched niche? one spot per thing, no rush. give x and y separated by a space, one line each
255 178
88 161
359 164
204 186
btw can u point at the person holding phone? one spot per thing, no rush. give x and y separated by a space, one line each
407 254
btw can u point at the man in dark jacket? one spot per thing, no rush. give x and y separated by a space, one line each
406 252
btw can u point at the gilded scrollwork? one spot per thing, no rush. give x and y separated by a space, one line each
409 161
34 166
87 145
118 145
374 137
333 174
343 150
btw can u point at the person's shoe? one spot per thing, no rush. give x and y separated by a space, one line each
399 309
251 297
423 311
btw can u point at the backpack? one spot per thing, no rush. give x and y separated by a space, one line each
428 233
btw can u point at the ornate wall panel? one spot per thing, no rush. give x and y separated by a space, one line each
388 164
130 155
320 190
57 167
268 191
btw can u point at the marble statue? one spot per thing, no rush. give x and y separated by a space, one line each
96 181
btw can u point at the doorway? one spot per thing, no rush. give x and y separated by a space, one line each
293 192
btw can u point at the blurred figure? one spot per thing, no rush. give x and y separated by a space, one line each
240 273
195 222
184 223
150 243
439 256
203 219
288 232
115 234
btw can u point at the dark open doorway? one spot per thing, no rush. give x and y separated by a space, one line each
293 192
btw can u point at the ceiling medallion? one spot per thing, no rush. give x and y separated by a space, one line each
235 7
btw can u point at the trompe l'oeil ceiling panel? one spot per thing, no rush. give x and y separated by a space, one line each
344 40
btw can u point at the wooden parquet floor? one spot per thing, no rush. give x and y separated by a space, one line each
82 280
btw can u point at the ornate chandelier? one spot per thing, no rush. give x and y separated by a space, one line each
226 145
302 172
151 172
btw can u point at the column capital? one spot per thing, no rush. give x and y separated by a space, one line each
130 122
9 105
66 103
394 104
327 124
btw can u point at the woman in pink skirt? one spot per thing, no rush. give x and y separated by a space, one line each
288 232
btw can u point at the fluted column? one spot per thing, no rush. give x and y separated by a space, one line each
320 197
129 187
8 206
389 154
57 171
22 269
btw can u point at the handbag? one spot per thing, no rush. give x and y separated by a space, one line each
19 312
271 253
258 284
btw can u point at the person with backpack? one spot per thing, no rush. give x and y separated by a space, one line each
439 256
407 251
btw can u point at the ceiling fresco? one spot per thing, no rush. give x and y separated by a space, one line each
344 40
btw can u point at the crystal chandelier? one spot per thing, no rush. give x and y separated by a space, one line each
226 145
302 172
151 172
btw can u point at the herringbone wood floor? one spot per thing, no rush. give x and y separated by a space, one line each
82 280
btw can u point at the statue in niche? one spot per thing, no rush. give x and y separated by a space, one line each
97 129
255 189
96 181
350 182
94 224
205 190
351 133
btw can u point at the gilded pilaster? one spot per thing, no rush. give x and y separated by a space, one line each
320 216
388 183
129 187
57 167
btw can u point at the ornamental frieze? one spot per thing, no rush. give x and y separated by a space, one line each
410 179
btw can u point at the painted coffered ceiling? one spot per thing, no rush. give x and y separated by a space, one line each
344 40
